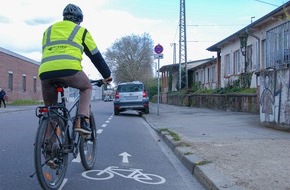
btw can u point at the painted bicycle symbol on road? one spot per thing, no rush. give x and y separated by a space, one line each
132 173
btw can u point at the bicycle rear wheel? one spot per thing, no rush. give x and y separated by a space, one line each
88 145
49 158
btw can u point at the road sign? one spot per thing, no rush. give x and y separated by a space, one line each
158 56
158 49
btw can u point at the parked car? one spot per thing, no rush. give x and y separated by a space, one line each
131 96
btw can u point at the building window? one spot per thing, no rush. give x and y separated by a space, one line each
200 76
278 46
237 62
34 84
287 44
211 77
213 74
249 58
10 81
227 65
208 75
23 83
264 54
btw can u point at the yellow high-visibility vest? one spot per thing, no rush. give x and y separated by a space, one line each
62 47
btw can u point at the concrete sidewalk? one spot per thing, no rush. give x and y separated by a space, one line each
10 108
225 150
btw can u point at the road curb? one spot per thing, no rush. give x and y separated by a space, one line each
205 172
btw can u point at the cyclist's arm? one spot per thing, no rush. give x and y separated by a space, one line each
91 50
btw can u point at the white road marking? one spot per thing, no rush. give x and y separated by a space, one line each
63 183
99 131
125 156
107 121
104 125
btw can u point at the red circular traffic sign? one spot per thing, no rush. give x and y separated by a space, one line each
158 49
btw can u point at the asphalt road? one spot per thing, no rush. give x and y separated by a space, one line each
129 153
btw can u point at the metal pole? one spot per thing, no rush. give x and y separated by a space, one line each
158 86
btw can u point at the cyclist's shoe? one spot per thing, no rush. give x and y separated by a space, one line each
84 126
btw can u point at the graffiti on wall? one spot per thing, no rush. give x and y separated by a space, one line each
275 96
267 98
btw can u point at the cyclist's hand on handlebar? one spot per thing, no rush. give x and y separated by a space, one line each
108 80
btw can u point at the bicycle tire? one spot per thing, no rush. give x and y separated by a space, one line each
88 145
48 177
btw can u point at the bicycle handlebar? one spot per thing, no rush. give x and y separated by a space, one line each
99 82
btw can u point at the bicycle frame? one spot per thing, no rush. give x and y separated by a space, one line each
61 111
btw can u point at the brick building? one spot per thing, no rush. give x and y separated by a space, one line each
19 76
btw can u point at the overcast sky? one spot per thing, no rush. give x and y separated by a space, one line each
22 23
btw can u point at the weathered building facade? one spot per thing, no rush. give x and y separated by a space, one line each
257 56
260 54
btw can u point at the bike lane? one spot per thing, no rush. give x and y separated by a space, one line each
128 157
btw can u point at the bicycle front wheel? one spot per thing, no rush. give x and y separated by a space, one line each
88 145
49 159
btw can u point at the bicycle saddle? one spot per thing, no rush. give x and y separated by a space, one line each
58 83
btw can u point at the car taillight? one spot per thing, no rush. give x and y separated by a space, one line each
144 94
117 96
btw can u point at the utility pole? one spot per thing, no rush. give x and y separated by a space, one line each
182 46
174 52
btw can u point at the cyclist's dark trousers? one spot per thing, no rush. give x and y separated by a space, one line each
79 81
2 100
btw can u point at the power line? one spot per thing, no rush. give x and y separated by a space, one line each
215 25
197 41
267 3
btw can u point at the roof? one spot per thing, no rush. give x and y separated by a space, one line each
212 61
8 52
190 64
253 25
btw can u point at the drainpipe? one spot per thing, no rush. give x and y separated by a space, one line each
259 53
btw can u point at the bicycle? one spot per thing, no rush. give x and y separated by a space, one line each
55 139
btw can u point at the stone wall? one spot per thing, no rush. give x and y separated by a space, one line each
228 102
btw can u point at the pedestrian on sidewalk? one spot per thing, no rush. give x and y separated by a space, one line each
2 97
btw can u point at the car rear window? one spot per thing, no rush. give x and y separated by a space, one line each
130 88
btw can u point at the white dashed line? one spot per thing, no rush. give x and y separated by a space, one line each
99 131
104 125
63 183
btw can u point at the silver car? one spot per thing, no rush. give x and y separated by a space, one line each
131 96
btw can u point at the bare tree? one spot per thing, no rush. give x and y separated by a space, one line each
131 58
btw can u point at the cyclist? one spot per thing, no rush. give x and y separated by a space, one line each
63 44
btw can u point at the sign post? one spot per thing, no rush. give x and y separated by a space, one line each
158 49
